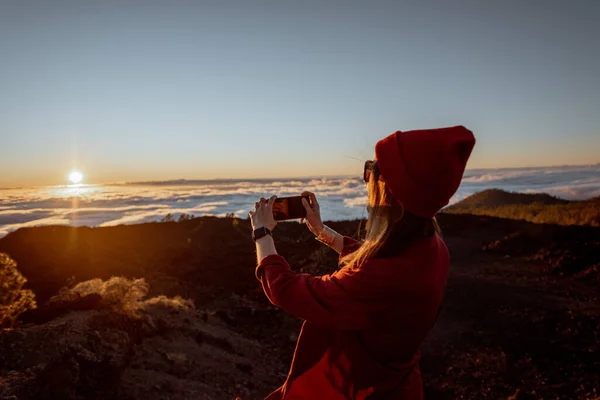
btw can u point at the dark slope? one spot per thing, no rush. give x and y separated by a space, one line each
520 314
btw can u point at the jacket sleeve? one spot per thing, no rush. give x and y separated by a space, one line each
329 300
350 246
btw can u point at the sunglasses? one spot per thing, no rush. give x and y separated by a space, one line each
370 168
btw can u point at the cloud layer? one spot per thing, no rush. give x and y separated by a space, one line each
340 198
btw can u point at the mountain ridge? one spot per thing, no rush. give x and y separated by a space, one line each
532 207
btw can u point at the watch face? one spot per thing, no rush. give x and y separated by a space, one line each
260 232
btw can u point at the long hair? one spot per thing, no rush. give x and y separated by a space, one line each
390 229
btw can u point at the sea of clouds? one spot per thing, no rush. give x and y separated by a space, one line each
340 197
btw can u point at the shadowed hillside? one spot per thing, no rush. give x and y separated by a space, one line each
519 319
498 197
537 207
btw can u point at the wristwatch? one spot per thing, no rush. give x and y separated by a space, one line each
260 232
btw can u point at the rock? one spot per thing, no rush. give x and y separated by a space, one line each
68 358
55 309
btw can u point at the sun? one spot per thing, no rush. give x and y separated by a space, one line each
75 177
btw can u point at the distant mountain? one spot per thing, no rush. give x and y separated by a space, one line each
498 197
537 207
592 200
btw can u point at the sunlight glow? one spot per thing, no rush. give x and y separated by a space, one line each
75 177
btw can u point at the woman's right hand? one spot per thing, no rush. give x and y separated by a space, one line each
313 213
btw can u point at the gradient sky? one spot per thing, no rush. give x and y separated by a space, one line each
148 90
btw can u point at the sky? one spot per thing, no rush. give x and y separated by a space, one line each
138 91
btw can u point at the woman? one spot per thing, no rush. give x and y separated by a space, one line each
364 323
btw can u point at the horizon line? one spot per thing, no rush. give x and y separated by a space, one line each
174 181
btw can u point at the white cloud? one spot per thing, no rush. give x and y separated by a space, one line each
55 220
356 202
340 197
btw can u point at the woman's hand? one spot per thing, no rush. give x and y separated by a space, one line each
263 214
313 214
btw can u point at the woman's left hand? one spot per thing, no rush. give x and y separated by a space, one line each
263 214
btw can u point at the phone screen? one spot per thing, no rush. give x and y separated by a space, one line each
289 208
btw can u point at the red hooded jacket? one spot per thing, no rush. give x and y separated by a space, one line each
363 326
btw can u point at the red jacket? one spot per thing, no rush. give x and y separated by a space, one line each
363 328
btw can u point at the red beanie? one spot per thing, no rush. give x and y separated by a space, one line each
422 169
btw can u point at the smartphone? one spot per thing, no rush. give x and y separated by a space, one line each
289 208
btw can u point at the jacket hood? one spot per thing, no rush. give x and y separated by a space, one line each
423 168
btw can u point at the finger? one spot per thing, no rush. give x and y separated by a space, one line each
306 193
270 203
262 203
315 203
307 206
301 220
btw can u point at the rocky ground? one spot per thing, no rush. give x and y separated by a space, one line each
520 320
